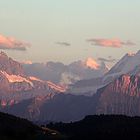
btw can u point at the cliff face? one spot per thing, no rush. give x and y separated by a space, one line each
10 66
15 86
4 83
121 97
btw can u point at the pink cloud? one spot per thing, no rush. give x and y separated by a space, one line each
115 43
12 43
92 63
27 62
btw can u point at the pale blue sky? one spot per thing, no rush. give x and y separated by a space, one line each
44 22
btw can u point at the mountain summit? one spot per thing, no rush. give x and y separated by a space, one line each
16 86
10 66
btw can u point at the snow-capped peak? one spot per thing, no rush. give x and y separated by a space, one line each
119 67
127 64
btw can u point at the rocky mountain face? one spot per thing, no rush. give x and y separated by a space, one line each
118 95
121 96
128 64
15 86
62 107
10 66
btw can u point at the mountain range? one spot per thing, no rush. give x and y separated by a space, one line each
15 85
65 75
117 91
128 64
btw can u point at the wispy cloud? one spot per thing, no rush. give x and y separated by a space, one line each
11 43
114 43
107 60
63 43
27 62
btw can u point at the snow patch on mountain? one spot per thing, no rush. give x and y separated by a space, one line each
35 79
56 87
16 78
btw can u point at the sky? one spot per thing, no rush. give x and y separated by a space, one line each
69 30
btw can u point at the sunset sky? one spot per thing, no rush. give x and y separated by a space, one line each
69 30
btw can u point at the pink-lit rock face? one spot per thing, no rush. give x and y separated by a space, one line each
91 63
15 86
10 66
3 103
19 83
11 102
121 96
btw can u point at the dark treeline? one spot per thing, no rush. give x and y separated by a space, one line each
100 127
114 127
15 128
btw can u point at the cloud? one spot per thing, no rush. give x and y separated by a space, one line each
63 43
68 78
10 43
27 62
106 60
92 63
114 43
